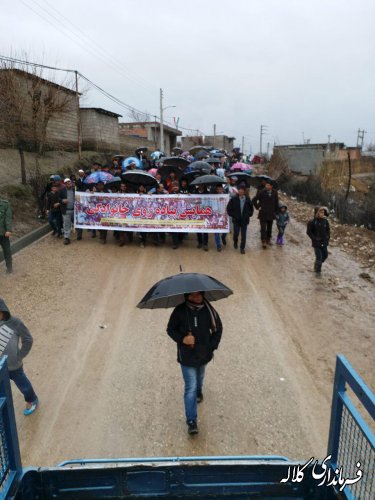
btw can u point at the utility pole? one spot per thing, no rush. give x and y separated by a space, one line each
243 144
155 134
79 130
262 132
360 138
161 122
214 134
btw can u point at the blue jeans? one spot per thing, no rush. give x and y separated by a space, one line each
23 383
237 229
220 238
55 221
321 253
193 377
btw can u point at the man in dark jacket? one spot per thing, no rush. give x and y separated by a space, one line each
12 333
319 232
240 208
5 232
267 202
196 328
54 210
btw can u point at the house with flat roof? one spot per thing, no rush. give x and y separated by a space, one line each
147 134
306 159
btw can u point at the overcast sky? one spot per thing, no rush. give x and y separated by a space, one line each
304 68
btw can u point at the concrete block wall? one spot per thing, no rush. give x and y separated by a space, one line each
129 144
99 131
302 161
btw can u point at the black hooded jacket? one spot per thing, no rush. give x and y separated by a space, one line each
184 319
319 232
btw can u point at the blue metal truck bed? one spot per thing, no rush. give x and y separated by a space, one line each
347 472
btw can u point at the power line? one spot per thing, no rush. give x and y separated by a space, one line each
119 63
19 61
93 49
81 35
130 109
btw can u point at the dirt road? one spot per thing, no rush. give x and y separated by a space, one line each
117 391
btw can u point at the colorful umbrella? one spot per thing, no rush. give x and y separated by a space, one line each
129 160
241 167
96 177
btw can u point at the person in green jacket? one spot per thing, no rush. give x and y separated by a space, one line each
5 232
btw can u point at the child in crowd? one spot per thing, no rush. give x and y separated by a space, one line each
282 219
318 231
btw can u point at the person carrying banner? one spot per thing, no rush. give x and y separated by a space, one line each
12 333
202 238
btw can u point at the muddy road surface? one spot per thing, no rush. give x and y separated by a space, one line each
106 372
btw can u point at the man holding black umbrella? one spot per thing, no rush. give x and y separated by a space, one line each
196 328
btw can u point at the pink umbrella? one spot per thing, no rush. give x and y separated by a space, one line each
153 171
240 167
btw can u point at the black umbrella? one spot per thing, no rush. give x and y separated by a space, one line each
177 151
207 179
202 166
257 180
196 149
242 177
165 170
115 182
201 154
141 151
213 161
169 292
138 177
190 176
176 161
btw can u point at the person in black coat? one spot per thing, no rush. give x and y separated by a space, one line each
240 208
267 202
202 238
318 230
196 328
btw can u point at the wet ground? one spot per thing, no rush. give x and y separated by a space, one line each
106 372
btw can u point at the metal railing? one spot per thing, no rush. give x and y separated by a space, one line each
351 440
10 459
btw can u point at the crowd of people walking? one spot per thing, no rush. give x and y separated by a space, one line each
60 195
59 199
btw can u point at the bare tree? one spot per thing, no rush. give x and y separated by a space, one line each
13 126
138 116
28 103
